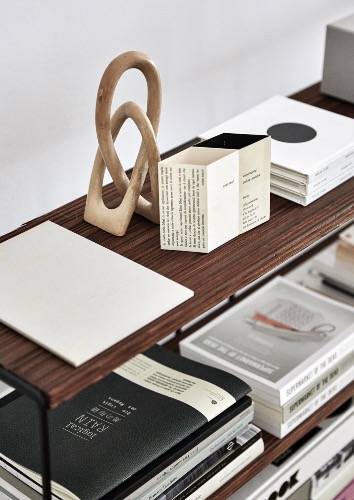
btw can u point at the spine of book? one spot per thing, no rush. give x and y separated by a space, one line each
282 429
174 471
223 472
328 480
305 200
306 396
317 369
345 156
296 467
218 459
199 464
281 414
340 487
195 468
26 481
12 488
340 167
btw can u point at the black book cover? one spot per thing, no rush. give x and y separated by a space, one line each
113 429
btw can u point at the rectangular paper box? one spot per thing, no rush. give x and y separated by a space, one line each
214 191
338 68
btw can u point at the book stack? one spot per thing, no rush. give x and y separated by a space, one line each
318 466
330 271
294 347
159 426
335 264
312 149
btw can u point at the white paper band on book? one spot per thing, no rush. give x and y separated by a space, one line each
205 397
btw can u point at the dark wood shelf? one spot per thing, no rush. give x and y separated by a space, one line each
213 277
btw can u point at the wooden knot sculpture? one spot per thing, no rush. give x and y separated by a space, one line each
116 220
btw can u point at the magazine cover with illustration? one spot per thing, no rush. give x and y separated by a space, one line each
278 339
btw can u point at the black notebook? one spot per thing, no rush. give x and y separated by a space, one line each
110 431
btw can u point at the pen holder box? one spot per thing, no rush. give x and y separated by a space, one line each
214 191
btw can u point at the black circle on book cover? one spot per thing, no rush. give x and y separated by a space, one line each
292 132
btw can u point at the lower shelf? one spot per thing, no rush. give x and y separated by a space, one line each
275 447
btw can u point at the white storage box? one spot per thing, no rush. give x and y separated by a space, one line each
338 69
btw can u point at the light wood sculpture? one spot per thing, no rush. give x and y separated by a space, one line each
116 220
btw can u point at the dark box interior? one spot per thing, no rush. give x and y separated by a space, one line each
230 141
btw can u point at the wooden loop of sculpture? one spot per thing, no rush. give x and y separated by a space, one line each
116 220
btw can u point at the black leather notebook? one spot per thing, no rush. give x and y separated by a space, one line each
103 438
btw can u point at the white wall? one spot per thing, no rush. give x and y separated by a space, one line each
215 57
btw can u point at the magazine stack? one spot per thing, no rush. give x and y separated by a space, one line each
331 270
335 264
158 427
293 346
312 149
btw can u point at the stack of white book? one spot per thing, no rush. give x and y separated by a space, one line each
294 347
336 263
312 149
331 270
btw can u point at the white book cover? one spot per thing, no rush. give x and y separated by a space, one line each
307 142
294 467
278 339
75 297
